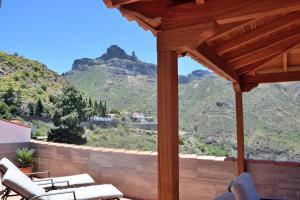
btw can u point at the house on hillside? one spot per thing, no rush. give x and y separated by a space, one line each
14 132
138 117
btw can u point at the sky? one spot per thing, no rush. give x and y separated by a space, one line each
56 32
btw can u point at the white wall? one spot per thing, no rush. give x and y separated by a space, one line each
14 133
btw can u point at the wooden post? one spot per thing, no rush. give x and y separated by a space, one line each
168 134
240 131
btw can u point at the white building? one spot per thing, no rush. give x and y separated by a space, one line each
14 132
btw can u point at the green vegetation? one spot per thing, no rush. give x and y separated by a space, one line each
31 92
25 157
121 137
70 109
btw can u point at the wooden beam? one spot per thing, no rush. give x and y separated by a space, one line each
262 56
225 11
185 39
168 132
272 78
285 62
240 132
117 3
260 32
200 2
228 28
205 54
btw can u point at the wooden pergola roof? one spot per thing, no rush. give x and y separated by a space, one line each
247 42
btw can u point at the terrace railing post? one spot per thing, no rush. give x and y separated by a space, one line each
168 134
240 131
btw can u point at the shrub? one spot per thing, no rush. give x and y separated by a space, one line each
25 157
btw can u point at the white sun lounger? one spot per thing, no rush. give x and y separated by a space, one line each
52 182
23 186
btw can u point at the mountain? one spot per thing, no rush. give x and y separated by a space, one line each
30 79
207 107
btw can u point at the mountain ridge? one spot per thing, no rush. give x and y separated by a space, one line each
207 107
122 63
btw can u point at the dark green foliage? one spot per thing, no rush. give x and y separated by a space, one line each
9 97
69 111
31 109
39 108
65 135
25 157
5 111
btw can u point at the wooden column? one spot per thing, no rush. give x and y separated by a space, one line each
240 131
167 113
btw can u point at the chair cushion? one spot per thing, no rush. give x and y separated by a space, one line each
5 164
244 189
20 183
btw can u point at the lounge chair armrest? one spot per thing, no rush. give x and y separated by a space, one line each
37 173
56 193
51 181
42 180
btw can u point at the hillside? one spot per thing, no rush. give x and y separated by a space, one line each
30 79
207 109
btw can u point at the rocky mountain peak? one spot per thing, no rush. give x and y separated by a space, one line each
114 51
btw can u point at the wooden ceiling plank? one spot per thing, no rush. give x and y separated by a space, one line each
225 11
271 78
262 31
285 62
226 29
206 54
267 52
240 53
256 9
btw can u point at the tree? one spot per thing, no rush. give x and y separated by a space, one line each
31 109
5 111
9 97
39 108
70 110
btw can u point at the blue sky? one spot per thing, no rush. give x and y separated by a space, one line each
56 32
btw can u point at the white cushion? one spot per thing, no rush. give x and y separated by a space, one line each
244 189
5 164
21 184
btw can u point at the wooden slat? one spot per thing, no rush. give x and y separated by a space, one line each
168 132
240 53
277 48
225 11
208 56
258 33
272 78
285 62
224 30
240 132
